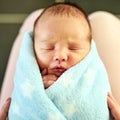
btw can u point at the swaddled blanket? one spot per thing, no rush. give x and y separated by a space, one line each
80 93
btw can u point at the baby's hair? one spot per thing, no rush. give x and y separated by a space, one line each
64 9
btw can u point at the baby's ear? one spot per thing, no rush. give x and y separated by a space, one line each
44 71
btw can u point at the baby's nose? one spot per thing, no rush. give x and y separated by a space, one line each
61 55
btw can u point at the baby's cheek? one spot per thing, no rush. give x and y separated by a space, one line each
75 60
43 62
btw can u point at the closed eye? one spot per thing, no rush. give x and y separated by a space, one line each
47 48
74 48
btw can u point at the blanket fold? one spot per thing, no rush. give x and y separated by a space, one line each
80 93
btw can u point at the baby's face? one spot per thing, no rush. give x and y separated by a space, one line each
60 43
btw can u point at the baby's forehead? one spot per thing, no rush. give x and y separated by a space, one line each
58 19
63 10
48 23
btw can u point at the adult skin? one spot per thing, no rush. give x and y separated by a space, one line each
4 109
114 106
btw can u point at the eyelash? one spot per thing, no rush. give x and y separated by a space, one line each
52 48
73 49
49 48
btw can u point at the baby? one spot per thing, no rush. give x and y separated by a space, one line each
62 38
65 78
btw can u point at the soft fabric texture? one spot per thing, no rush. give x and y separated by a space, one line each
80 93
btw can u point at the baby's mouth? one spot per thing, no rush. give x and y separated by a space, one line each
58 70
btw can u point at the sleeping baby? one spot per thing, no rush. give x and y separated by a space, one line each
59 74
62 38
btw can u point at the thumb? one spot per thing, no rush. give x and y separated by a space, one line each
44 71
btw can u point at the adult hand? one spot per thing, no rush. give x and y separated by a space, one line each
114 106
48 79
4 109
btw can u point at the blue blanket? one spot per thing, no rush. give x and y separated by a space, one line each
80 93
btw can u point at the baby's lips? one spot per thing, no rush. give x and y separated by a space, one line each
59 69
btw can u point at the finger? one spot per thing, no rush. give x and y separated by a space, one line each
114 106
112 101
4 109
111 96
49 78
47 84
44 71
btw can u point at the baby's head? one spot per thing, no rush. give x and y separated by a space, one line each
62 37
